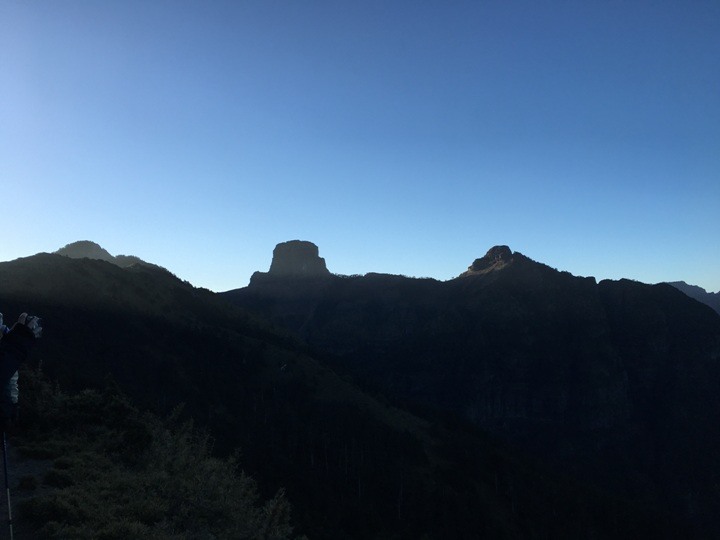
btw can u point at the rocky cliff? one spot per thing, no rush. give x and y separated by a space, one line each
497 258
297 258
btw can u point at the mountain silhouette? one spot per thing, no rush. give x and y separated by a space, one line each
613 382
297 258
698 293
353 464
85 249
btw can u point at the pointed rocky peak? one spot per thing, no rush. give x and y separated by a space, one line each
497 258
297 258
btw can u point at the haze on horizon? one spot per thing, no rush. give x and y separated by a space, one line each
399 137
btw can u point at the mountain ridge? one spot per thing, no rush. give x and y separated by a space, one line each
353 463
86 249
301 258
698 293
593 377
388 405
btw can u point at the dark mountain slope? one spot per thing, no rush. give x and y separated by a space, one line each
615 383
353 466
711 299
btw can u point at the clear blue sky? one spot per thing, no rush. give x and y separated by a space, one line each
400 137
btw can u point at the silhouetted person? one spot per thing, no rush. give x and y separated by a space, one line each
14 348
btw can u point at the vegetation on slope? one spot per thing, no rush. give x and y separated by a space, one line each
118 473
613 382
353 466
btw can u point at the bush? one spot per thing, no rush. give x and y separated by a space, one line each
120 473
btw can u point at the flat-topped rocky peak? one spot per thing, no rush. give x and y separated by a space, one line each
297 258
497 258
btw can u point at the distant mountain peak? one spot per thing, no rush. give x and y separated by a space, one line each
497 258
297 258
85 249
698 293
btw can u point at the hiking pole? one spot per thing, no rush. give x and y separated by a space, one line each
7 484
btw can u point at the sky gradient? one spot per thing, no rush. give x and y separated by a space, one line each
400 137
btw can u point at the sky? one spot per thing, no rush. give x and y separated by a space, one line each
404 137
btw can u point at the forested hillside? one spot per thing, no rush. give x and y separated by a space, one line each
614 382
353 459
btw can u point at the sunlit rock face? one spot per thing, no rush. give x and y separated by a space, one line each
297 258
496 258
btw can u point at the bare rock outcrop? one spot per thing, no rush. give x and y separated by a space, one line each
497 258
297 258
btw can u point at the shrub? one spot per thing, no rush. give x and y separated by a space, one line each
120 473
